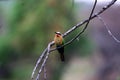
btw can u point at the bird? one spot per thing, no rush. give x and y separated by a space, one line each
59 41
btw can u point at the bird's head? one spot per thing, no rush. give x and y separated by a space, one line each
58 34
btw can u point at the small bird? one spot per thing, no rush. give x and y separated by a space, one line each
59 41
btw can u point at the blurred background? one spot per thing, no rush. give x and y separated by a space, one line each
27 26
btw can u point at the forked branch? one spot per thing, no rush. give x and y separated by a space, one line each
46 52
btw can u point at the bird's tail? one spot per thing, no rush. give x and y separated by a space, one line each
61 52
62 57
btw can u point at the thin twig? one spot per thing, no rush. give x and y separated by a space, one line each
39 60
45 59
84 27
82 23
46 51
95 15
108 30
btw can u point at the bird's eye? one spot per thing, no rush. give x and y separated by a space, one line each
57 35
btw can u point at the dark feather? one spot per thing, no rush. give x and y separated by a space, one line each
61 51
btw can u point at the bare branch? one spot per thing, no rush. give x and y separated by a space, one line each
95 15
84 27
40 58
45 59
85 21
47 51
38 62
108 30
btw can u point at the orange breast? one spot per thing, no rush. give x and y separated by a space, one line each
58 39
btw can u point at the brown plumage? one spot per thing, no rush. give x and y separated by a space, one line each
59 42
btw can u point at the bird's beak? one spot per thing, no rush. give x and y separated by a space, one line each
55 32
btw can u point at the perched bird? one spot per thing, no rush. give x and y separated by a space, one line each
59 41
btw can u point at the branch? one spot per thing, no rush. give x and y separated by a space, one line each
85 21
43 64
95 15
84 27
40 59
108 30
48 50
